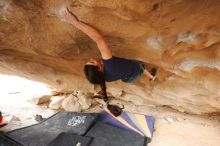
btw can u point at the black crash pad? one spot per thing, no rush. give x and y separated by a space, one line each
107 135
43 133
5 141
69 139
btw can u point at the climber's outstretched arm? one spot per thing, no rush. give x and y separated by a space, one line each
96 36
149 75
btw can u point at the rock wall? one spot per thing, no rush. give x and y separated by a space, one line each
179 37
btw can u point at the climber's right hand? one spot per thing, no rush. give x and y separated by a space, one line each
68 16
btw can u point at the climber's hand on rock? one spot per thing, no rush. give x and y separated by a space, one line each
153 78
67 16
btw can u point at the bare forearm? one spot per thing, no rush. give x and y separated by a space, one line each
89 30
148 74
69 17
95 36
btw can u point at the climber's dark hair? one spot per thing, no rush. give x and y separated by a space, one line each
93 74
97 77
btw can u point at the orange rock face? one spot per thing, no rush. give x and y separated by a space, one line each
179 37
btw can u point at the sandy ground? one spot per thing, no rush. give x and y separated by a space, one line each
172 128
178 129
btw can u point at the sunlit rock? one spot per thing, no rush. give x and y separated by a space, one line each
71 104
84 100
40 99
56 102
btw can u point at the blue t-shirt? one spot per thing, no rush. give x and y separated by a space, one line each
117 68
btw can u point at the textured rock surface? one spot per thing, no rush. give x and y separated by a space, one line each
37 99
71 104
180 37
56 102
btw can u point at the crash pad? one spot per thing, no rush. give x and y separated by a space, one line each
5 141
107 135
69 139
141 124
46 131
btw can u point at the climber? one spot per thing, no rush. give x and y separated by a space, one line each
109 68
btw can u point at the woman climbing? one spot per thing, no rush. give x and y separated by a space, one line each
109 68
